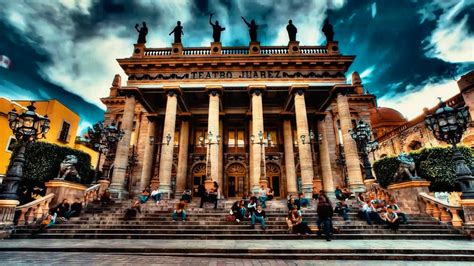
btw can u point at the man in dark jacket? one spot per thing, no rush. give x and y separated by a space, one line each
325 214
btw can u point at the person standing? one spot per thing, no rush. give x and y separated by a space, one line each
262 196
325 214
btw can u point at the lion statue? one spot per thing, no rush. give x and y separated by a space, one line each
68 171
406 168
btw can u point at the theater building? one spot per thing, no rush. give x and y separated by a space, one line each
243 117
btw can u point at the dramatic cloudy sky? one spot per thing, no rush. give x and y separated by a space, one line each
408 52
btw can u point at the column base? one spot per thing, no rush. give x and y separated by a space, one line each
307 190
165 191
331 196
255 190
117 191
356 188
369 182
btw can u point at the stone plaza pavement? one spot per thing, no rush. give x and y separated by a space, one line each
180 252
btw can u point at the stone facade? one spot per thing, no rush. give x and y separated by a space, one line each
262 107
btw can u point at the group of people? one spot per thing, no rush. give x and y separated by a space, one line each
378 211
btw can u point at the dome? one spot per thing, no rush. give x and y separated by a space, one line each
384 116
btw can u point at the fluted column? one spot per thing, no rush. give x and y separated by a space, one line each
182 156
289 157
166 158
213 127
221 159
328 183
306 160
251 162
123 148
257 126
354 173
148 156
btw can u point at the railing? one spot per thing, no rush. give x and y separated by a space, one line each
313 50
442 211
91 194
238 50
197 51
235 50
381 193
157 52
273 50
38 208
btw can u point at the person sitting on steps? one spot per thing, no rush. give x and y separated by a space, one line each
301 201
342 209
252 206
187 196
296 224
156 195
262 193
238 210
76 209
179 212
391 219
403 217
144 196
131 213
259 216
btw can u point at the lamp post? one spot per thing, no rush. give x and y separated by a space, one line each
209 143
448 125
362 134
261 142
27 127
341 161
103 138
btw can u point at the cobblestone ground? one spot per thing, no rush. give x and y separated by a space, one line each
73 258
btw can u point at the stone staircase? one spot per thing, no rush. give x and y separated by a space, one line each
155 222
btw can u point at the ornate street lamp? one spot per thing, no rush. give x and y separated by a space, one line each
103 139
362 134
208 152
448 125
27 127
261 142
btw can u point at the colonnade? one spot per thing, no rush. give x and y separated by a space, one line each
257 177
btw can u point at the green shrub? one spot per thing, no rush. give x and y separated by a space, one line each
42 162
433 164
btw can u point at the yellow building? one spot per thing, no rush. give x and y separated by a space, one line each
64 126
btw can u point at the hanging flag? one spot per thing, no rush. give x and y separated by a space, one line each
5 61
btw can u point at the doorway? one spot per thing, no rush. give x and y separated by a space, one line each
274 178
235 180
199 177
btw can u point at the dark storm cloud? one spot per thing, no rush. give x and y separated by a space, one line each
391 39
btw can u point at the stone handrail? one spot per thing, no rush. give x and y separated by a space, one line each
197 51
381 193
152 52
91 194
38 208
442 211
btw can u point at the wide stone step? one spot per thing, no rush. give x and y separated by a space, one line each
241 236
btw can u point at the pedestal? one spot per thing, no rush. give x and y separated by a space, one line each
104 185
294 47
368 183
263 183
216 48
177 49
333 47
468 208
406 193
254 48
64 190
7 213
318 184
138 50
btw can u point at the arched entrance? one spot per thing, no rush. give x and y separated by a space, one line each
199 176
274 178
235 174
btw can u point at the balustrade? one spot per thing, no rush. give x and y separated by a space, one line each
442 211
34 210
241 50
91 194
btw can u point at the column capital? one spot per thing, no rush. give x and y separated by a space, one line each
185 116
343 89
214 90
299 89
256 89
173 90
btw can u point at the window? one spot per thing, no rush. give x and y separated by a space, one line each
10 144
273 134
64 134
198 134
235 138
176 138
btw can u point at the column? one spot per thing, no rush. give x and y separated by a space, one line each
306 160
213 127
123 148
251 147
354 173
258 151
221 159
182 156
148 155
289 157
166 158
328 183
